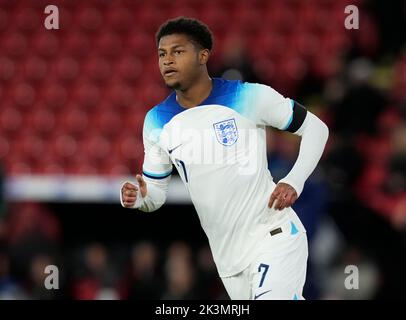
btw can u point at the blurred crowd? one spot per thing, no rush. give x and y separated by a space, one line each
94 270
354 203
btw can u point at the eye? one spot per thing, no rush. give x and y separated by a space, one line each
178 52
161 54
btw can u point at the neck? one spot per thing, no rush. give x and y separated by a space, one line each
196 93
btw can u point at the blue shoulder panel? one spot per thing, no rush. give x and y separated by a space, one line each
228 93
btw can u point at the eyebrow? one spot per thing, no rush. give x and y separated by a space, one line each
173 47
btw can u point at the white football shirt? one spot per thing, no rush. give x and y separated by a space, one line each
219 150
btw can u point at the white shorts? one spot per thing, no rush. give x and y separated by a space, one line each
279 270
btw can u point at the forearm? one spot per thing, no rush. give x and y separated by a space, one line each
156 194
155 197
314 135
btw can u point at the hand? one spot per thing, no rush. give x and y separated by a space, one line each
129 191
284 196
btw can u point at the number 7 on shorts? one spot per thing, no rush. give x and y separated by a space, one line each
265 267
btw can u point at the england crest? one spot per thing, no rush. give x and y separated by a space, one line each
226 132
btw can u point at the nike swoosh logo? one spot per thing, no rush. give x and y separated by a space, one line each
261 294
171 150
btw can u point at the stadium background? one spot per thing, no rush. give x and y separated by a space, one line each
72 103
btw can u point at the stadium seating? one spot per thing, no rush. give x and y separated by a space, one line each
80 93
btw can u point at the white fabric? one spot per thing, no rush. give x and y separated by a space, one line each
314 135
278 272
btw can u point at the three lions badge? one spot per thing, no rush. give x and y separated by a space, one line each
226 132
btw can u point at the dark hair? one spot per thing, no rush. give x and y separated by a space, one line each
196 30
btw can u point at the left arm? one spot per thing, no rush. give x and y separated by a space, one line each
314 133
270 108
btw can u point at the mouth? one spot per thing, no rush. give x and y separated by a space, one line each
170 72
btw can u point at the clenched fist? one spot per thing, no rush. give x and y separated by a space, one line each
129 191
284 196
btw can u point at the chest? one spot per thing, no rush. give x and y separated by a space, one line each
207 134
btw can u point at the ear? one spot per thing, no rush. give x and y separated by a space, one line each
204 55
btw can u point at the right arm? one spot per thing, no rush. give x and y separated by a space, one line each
154 181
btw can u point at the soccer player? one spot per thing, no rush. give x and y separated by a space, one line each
213 131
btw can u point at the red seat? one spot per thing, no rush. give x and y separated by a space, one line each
106 121
17 166
149 17
28 146
95 147
213 16
35 69
48 168
141 45
120 19
267 45
27 20
133 122
86 95
73 121
279 17
46 44
76 44
130 68
129 147
15 44
10 120
183 9
8 5
98 69
333 42
305 44
49 163
7 69
108 44
121 96
246 18
115 166
64 146
90 19
4 148
151 94
54 96
40 120
24 95
66 69
80 165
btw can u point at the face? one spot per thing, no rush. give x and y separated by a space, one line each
180 61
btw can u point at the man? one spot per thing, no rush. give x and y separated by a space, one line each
258 243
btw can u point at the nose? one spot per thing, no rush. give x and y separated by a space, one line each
168 62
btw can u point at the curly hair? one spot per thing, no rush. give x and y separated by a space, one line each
196 30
